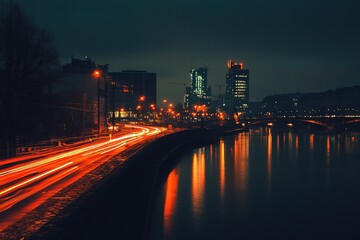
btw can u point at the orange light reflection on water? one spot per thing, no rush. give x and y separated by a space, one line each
222 169
198 183
328 149
170 200
241 162
312 142
269 156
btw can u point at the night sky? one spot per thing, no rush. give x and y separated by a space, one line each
288 45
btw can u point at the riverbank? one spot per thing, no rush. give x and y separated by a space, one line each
117 206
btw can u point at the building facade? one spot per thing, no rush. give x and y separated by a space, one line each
82 98
199 93
134 95
237 89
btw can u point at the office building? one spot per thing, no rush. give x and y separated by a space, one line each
134 91
237 89
199 93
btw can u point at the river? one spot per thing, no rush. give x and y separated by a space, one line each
263 184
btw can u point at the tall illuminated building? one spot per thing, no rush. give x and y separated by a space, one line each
237 88
199 81
199 93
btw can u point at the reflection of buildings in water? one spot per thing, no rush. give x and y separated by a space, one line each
284 138
269 157
171 191
211 153
222 169
328 154
290 141
278 146
328 147
311 142
351 142
241 163
198 183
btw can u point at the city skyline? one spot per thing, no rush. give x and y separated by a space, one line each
96 143
297 46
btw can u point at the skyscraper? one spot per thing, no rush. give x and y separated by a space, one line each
237 88
199 93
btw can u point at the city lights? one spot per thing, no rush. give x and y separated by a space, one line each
188 120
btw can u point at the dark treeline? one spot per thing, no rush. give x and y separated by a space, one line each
28 73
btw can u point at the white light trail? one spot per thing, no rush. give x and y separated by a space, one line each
34 178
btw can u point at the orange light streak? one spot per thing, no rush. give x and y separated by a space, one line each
33 179
112 145
122 144
64 155
51 170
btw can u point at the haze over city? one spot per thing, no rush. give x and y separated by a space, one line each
288 46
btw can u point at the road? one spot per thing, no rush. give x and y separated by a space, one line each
28 181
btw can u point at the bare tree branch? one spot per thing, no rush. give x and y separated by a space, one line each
28 58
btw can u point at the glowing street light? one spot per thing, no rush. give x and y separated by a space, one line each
97 74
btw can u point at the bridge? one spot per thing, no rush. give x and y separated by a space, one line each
327 123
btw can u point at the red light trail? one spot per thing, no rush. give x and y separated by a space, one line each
28 181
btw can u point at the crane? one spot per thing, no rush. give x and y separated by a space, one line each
185 84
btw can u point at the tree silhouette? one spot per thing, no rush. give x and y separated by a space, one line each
28 58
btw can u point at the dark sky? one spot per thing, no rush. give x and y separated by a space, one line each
288 45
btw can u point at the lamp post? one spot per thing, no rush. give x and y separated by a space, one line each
113 106
97 74
164 111
141 107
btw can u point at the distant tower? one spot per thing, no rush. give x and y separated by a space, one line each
199 93
237 88
199 80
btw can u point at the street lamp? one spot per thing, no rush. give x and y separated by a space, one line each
141 107
113 106
97 74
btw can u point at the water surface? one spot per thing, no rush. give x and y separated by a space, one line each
263 185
